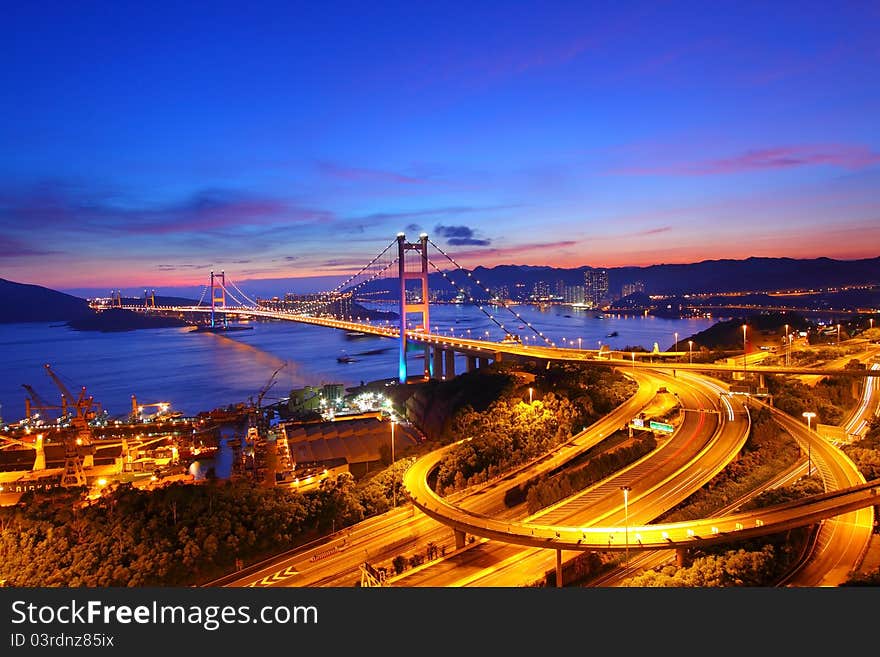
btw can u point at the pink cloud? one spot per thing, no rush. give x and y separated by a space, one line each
10 247
207 210
779 157
520 249
357 174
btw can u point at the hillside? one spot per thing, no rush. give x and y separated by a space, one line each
708 276
33 303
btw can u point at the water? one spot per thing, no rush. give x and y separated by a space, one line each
201 371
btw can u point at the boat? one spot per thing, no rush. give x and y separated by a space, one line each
344 358
613 334
207 328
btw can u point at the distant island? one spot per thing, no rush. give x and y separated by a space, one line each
118 319
33 303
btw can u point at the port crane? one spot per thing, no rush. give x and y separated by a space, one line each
137 409
73 467
257 429
35 402
37 445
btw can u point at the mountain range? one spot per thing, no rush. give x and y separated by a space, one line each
709 276
23 302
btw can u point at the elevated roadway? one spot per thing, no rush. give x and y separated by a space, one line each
497 350
659 480
659 536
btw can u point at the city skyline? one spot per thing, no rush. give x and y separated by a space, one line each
147 146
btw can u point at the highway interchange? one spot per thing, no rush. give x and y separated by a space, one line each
503 548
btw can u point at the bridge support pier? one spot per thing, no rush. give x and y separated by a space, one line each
449 371
482 362
681 557
471 363
558 569
459 538
438 363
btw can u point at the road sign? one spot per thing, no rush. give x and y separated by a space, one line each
638 423
661 426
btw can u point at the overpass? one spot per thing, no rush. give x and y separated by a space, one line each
679 535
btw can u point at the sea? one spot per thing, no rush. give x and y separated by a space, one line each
200 371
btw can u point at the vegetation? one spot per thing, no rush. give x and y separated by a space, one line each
593 391
865 453
511 431
432 405
732 568
178 535
508 433
830 399
727 335
759 562
550 489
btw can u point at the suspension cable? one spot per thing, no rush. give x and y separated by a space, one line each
362 270
487 291
316 305
202 298
234 298
486 313
238 289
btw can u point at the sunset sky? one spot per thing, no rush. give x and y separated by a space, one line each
146 145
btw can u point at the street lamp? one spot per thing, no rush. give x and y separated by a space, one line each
809 415
744 349
393 482
690 351
579 340
626 490
530 396
787 347
676 341
838 334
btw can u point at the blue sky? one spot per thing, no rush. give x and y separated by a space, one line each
144 145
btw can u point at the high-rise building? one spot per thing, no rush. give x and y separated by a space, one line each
541 291
501 293
632 288
559 292
574 294
595 286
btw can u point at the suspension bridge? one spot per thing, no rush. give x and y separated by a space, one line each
411 264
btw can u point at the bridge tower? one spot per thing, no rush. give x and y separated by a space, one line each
407 306
116 296
150 299
218 296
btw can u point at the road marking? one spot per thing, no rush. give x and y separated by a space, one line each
274 578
